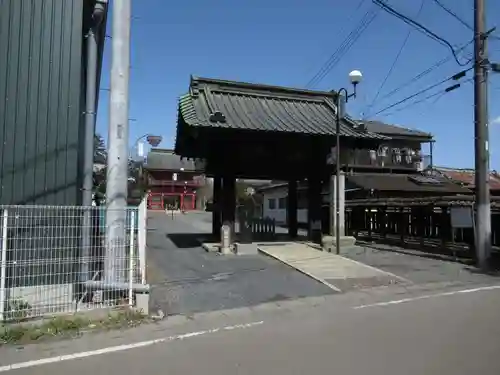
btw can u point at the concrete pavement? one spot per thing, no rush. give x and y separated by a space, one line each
455 333
339 273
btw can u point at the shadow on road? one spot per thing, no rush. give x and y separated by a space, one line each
189 240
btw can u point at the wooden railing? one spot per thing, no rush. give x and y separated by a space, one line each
263 228
372 158
424 224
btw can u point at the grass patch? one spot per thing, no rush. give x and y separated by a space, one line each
68 326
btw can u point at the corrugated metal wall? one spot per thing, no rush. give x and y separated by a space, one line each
41 101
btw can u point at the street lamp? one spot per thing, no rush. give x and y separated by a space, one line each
153 140
340 100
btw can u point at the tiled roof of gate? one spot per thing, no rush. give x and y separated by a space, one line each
238 105
166 160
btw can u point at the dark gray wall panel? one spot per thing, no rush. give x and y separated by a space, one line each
41 92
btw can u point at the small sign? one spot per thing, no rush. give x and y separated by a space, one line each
461 217
174 177
140 150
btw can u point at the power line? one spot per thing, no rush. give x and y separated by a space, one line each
453 14
393 65
436 95
425 72
345 46
348 22
420 28
454 77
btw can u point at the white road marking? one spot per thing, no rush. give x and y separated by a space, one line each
119 348
378 270
404 300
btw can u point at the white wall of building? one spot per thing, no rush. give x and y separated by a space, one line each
274 202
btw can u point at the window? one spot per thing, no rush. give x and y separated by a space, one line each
282 203
272 203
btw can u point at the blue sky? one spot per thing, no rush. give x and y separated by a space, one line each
286 42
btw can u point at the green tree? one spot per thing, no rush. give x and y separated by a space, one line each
136 184
100 151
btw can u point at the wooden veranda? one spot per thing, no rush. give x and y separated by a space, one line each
424 223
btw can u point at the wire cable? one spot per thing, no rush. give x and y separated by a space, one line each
453 77
420 28
345 46
348 21
453 14
438 95
405 41
425 72
341 50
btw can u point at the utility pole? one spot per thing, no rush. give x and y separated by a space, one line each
481 135
115 263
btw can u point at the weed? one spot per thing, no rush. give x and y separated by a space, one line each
68 326
18 309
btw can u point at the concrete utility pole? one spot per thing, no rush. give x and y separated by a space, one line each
115 264
481 137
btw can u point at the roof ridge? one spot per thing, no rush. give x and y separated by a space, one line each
416 131
268 94
196 81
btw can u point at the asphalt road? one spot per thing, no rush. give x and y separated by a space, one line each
186 280
448 335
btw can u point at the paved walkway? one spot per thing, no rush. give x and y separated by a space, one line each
339 273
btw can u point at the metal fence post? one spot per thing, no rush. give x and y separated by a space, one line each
141 238
131 256
3 269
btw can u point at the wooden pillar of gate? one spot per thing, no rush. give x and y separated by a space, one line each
314 208
216 206
291 209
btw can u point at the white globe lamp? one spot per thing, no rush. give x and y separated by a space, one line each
355 77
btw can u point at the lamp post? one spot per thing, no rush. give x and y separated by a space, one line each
355 77
153 140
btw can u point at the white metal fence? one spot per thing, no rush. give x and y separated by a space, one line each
56 259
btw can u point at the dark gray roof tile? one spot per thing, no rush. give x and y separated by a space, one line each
396 182
160 159
393 130
263 108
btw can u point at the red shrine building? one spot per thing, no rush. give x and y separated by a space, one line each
171 180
